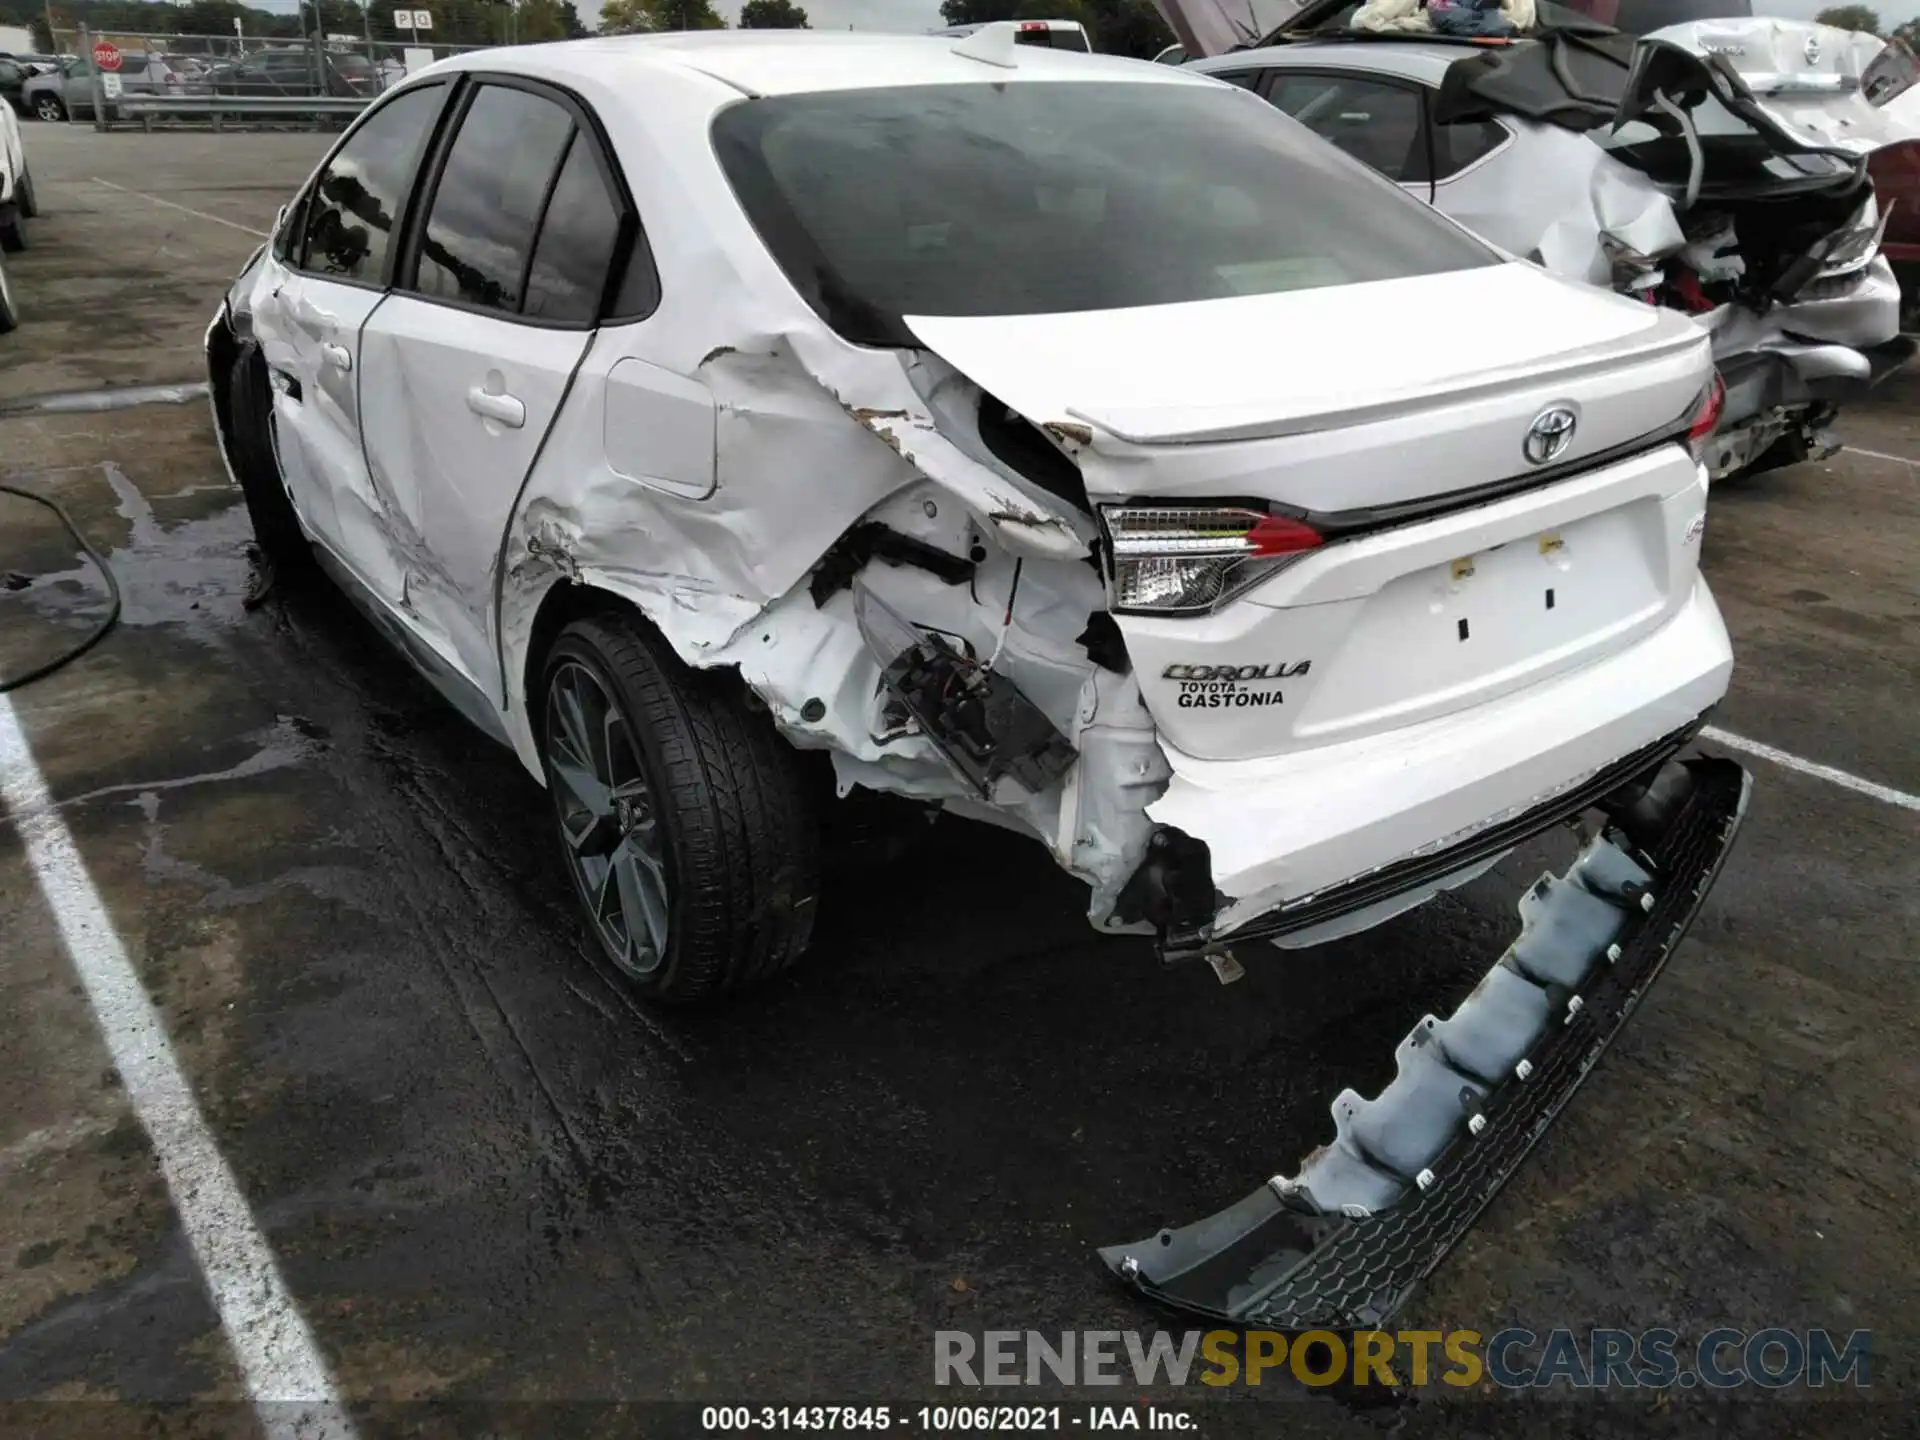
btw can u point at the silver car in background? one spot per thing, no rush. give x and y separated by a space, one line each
1714 167
67 93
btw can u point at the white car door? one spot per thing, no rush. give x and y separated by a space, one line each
329 273
468 363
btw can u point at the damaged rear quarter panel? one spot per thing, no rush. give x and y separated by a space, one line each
808 432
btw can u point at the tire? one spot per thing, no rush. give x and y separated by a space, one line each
275 526
698 798
49 107
28 201
9 317
13 229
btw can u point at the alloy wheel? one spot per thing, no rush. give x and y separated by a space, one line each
608 820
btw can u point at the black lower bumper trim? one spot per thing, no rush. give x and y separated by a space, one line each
1279 1260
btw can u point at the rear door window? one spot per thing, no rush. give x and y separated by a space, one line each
350 214
491 194
1377 122
1461 143
574 254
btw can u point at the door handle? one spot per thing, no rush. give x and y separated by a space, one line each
505 408
337 356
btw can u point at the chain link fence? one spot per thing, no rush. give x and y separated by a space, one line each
210 79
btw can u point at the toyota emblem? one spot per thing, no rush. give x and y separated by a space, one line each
1813 50
1549 435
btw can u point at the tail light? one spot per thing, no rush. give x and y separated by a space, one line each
1168 560
1033 27
1706 419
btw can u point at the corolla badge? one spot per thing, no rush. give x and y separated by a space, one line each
1549 435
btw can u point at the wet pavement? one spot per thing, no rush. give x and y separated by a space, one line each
491 1178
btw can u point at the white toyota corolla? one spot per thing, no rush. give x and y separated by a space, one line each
743 427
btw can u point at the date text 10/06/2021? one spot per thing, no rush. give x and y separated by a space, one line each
940 1419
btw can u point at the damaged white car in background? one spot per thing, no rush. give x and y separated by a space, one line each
753 430
1717 167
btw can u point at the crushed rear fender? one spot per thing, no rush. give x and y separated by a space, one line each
1342 1243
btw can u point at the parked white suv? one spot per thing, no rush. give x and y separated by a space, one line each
17 205
730 423
1050 34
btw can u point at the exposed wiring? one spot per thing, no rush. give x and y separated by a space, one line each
1006 622
99 632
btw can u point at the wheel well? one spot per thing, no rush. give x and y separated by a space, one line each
222 349
566 602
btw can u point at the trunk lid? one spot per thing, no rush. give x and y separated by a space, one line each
1376 410
1266 366
1806 87
1212 27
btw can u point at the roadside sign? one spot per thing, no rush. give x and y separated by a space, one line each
423 19
413 20
110 84
106 55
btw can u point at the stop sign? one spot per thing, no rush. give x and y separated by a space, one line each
106 55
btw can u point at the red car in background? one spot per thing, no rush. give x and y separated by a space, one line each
1889 83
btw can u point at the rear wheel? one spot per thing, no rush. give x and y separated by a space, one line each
683 817
256 466
49 107
13 228
28 201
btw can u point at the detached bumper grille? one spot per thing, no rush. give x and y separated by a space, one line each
1275 1263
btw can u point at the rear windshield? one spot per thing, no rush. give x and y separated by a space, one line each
1042 197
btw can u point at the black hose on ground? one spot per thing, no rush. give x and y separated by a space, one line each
99 632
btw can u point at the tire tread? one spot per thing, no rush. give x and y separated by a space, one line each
746 857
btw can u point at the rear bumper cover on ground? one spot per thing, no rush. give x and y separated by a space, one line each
1374 1213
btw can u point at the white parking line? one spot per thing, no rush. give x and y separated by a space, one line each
1884 793
1879 455
185 210
286 1377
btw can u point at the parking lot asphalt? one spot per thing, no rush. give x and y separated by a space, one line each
489 1177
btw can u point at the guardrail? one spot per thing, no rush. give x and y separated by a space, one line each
219 108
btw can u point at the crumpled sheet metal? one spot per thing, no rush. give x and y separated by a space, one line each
1803 78
811 438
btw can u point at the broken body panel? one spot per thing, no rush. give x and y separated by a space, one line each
1715 167
1490 610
